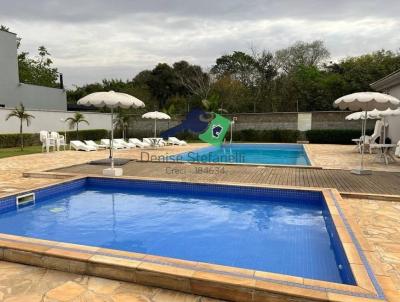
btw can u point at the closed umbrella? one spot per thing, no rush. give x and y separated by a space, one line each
111 100
155 115
366 101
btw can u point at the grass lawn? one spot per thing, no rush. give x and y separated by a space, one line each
8 152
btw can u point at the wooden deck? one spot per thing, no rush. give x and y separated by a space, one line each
378 183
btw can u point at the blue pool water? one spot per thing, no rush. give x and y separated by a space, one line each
279 154
281 231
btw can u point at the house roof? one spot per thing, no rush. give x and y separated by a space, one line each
389 81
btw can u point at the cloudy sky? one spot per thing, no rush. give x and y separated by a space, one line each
95 39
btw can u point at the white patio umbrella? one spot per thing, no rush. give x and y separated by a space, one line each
361 116
155 115
111 100
366 101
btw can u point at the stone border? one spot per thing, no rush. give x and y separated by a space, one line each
205 279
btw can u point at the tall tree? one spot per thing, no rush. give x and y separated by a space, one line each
239 65
301 54
20 113
74 121
163 83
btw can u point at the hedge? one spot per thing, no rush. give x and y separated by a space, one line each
333 136
32 139
267 136
251 135
318 136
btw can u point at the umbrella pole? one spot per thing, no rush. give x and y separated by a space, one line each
363 146
384 130
112 138
155 128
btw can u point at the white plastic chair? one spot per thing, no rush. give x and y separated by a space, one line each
47 141
59 139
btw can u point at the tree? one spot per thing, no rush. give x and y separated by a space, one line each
163 83
359 72
301 54
37 71
171 111
192 78
265 72
20 113
75 121
122 121
238 65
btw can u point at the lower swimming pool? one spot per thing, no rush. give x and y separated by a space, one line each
282 231
277 154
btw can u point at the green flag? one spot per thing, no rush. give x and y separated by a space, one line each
216 131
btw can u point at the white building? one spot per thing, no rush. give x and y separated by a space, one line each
12 92
391 85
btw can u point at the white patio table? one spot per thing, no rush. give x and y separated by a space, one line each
385 153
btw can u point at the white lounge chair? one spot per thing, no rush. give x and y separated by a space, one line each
377 134
120 141
397 151
106 142
78 145
175 141
96 145
138 143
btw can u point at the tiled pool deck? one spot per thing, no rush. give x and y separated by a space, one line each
376 225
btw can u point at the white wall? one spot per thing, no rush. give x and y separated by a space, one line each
12 92
394 121
51 121
394 128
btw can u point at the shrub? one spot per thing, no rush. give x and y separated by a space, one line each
14 140
32 139
333 136
94 134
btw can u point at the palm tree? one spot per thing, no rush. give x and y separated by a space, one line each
170 110
122 121
75 121
19 112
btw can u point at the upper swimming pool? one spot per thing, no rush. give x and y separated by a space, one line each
277 154
282 231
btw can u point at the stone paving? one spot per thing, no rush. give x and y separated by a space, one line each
379 225
23 283
346 157
378 222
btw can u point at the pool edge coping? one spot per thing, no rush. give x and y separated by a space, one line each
216 274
